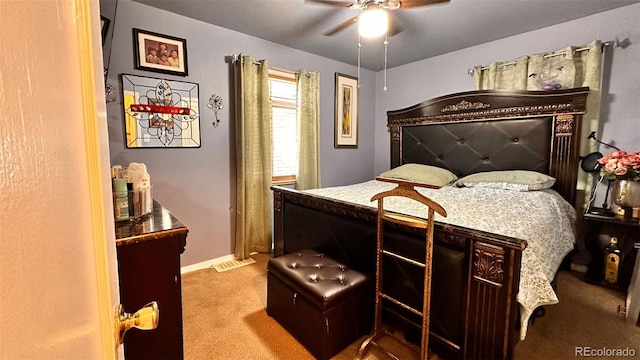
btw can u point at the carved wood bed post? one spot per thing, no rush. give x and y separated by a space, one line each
394 129
492 285
565 143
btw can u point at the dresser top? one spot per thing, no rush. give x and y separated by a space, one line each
158 224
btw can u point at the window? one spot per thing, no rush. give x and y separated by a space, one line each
283 98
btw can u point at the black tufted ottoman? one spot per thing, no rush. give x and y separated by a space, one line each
321 302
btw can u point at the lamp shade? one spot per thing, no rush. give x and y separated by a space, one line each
372 23
590 163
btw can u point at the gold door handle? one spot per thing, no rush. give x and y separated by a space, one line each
143 319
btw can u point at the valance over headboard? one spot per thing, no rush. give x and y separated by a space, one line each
494 130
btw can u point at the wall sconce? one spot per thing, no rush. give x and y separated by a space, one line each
215 103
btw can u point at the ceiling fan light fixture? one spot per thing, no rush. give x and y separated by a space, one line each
373 23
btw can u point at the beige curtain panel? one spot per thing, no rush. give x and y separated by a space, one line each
308 127
253 157
571 67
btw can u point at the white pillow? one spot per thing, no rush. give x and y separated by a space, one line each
422 174
518 180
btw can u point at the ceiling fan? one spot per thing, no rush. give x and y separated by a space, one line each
370 5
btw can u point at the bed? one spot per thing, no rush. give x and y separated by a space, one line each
490 271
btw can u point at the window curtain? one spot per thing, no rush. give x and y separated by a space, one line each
568 68
308 127
253 157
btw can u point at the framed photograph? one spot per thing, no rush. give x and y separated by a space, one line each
104 27
160 53
346 125
160 113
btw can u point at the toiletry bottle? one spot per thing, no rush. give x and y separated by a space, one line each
116 170
120 199
130 198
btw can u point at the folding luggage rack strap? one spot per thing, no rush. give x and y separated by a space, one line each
407 190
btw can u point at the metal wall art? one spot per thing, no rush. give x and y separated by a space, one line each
160 113
215 103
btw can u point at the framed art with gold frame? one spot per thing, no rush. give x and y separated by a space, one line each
346 108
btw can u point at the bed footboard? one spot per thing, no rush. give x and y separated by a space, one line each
475 274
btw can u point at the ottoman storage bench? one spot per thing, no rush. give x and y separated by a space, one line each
321 302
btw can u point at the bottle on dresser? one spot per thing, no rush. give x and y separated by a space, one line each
120 193
612 257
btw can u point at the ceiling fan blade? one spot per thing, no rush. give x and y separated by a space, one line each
406 4
394 27
332 3
342 26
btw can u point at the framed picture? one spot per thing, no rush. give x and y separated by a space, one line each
160 53
160 113
346 125
104 27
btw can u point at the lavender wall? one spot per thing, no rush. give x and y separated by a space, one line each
197 185
437 76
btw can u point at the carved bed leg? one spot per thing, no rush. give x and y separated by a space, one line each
491 302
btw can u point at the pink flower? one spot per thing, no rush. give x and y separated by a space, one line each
622 165
620 171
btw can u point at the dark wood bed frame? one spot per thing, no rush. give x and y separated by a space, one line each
474 313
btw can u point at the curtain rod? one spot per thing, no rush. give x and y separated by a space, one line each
283 70
236 58
614 43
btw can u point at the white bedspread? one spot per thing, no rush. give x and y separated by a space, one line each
542 218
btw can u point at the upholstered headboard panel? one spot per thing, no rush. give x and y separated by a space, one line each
494 130
470 147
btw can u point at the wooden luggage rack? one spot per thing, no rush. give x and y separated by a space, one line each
404 189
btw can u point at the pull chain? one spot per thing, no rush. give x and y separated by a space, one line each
386 45
359 46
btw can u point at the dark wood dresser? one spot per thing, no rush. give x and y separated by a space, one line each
148 251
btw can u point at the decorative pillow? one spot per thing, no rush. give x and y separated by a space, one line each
423 174
518 180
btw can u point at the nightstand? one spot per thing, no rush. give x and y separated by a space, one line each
598 231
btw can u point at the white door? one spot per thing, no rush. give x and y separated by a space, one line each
58 279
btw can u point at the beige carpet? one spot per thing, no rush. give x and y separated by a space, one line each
224 318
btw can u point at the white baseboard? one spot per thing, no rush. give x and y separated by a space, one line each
206 264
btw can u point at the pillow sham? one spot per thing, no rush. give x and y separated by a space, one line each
423 174
518 180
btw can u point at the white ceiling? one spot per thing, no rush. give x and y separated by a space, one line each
427 31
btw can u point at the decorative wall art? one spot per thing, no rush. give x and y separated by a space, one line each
215 103
160 113
160 53
346 124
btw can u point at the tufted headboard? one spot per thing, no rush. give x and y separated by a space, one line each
488 130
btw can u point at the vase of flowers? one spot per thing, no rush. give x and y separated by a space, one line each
626 193
624 168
